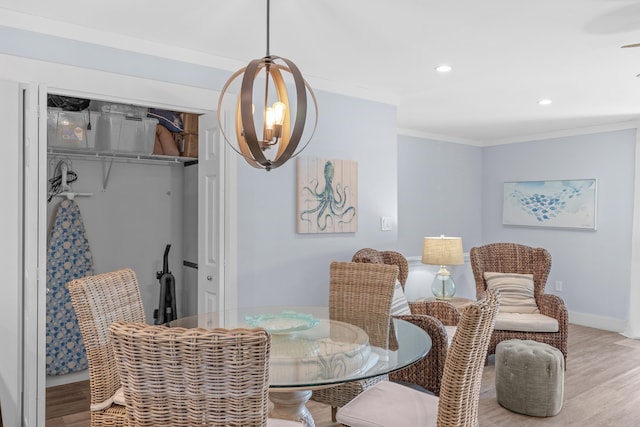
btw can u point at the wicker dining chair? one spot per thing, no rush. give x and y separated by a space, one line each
361 288
431 316
390 404
98 301
521 259
181 377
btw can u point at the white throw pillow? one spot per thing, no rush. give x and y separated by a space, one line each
451 331
399 305
516 291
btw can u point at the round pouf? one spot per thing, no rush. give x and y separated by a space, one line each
529 377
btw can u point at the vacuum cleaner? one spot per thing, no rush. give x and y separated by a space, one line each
166 311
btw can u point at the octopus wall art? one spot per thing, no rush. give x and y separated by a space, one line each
327 196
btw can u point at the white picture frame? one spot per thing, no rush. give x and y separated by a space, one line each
567 204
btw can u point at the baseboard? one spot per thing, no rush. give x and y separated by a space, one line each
54 380
598 322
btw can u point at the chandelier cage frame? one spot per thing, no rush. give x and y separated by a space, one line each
249 145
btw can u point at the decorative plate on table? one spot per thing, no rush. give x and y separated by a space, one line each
283 323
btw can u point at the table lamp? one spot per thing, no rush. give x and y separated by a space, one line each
443 251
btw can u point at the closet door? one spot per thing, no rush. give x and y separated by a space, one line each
34 240
18 116
11 330
211 217
217 201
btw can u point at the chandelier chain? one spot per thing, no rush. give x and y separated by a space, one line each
268 31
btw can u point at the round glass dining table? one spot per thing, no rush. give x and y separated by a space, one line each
315 347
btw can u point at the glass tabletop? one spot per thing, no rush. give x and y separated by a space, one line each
315 346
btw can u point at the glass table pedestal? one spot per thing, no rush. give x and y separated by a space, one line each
291 405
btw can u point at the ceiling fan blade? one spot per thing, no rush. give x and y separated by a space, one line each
631 45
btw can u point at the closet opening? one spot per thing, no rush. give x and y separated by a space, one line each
122 184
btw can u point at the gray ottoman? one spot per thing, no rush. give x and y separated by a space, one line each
529 377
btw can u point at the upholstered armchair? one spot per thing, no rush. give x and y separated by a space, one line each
520 273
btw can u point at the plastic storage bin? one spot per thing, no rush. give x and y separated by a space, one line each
126 109
123 133
68 129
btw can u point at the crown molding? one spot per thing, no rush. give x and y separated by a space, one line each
438 137
634 124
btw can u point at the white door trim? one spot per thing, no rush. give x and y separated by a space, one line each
35 265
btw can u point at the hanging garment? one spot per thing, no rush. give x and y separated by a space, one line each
68 257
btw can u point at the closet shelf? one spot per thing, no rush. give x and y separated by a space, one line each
121 156
107 159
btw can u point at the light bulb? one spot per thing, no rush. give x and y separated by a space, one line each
269 118
279 109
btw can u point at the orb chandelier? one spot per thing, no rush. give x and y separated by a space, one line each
278 141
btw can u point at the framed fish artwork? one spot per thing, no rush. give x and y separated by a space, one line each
557 203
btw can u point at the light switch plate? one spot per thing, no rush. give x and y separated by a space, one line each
386 223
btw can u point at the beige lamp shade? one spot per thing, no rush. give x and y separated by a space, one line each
442 251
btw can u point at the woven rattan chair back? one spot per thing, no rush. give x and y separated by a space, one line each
360 289
460 390
98 301
182 377
358 293
521 259
374 256
367 256
510 258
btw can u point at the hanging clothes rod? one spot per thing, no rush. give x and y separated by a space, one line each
72 195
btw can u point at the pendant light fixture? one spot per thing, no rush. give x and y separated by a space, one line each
272 112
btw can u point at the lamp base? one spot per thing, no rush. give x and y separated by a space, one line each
443 286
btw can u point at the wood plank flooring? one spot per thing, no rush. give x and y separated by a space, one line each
602 388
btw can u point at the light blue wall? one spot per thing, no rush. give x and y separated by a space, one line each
457 190
60 50
439 192
277 265
594 266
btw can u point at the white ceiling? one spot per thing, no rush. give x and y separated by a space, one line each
505 54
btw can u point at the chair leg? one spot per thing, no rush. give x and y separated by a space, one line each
334 412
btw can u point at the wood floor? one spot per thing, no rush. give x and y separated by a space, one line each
602 388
